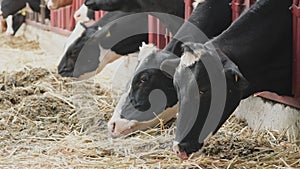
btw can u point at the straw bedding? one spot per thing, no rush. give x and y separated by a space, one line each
51 122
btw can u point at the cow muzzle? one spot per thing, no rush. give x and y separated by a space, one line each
118 126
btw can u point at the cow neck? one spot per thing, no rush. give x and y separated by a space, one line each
261 47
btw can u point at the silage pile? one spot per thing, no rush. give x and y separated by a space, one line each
51 122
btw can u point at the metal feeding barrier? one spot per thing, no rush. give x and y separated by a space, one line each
62 20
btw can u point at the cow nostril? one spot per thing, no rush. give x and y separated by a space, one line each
78 15
113 127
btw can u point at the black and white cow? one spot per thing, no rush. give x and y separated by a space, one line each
102 43
258 44
137 29
134 110
257 47
11 7
13 22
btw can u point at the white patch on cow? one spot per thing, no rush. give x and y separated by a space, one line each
76 33
175 146
145 51
196 2
81 14
189 59
50 4
0 11
9 22
106 56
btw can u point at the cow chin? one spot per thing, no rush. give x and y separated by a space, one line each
87 75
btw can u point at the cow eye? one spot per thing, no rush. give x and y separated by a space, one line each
144 79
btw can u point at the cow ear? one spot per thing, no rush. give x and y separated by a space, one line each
234 76
169 66
232 72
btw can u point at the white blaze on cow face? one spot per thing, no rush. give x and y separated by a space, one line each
81 14
50 4
196 2
76 33
9 22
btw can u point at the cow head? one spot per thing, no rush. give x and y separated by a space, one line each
73 47
14 22
97 47
150 96
209 87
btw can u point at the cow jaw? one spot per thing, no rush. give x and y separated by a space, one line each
106 56
119 127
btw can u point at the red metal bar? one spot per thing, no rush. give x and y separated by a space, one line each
161 32
152 28
53 16
296 48
237 7
69 17
97 15
290 101
64 18
167 37
48 27
188 8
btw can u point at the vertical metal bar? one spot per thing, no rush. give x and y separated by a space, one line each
237 7
161 31
296 47
43 11
53 17
69 17
188 8
36 16
152 28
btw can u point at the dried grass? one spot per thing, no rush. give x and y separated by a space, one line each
51 122
17 42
